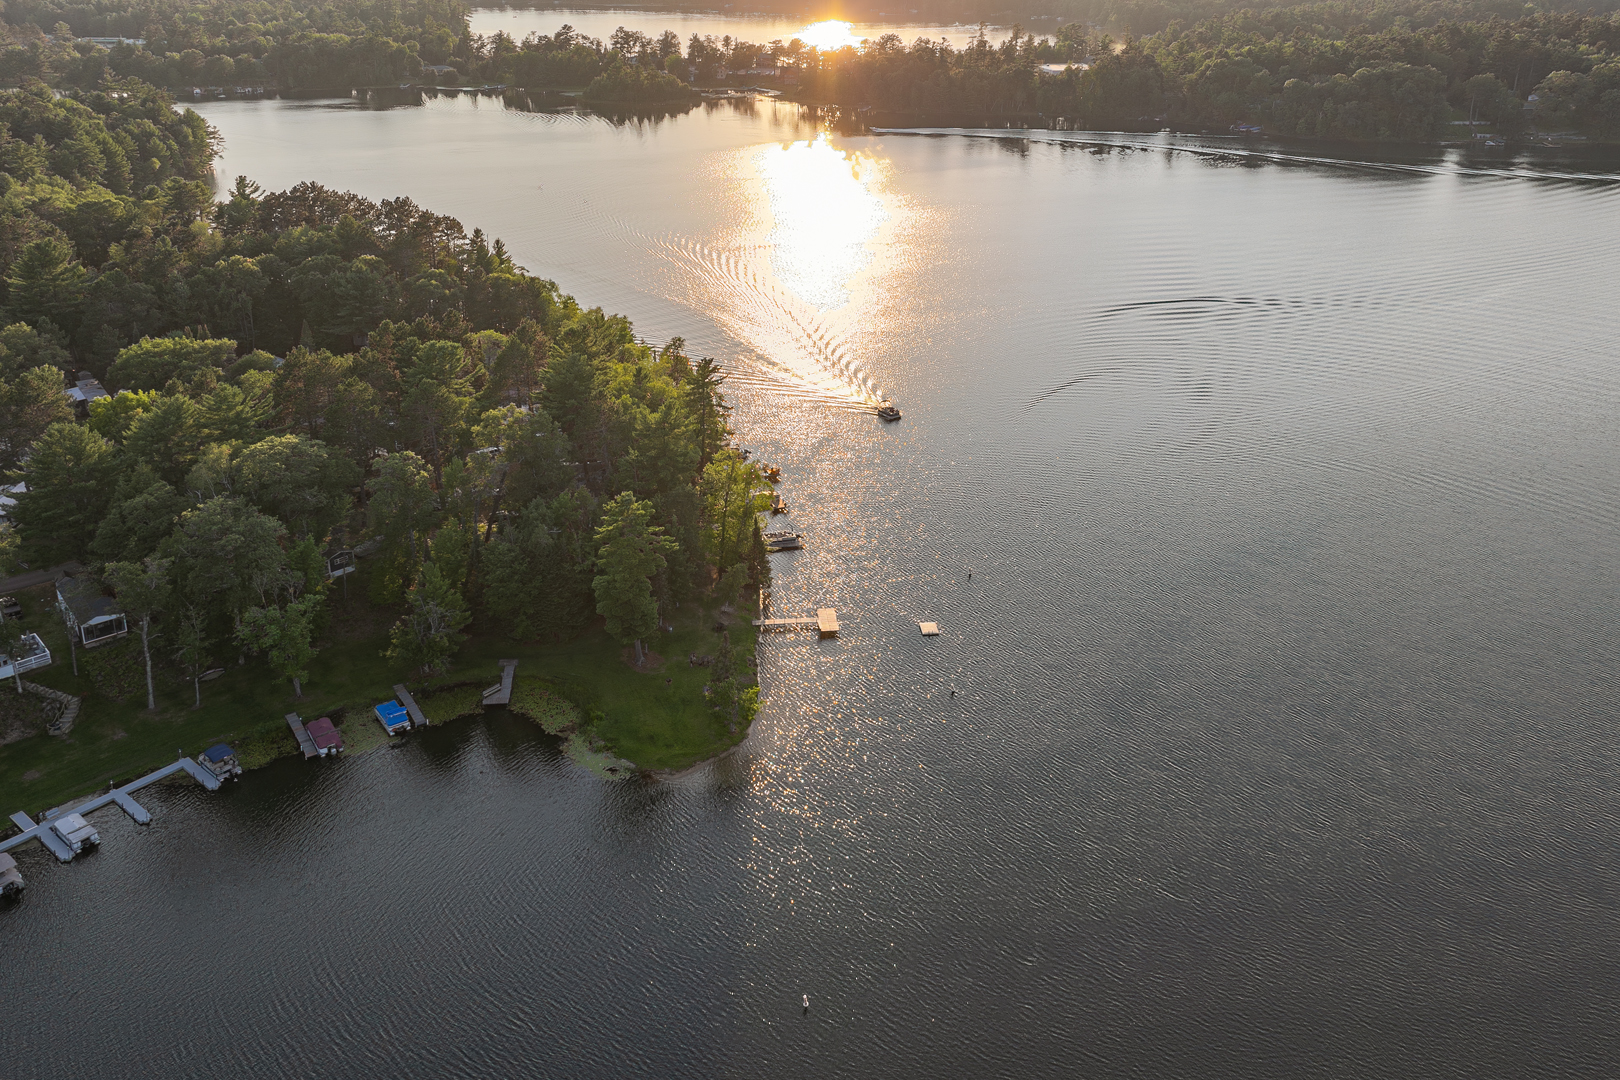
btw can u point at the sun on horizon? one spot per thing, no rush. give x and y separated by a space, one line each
828 34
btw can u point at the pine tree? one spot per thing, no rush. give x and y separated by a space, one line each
632 551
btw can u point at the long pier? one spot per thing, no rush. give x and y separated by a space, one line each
41 830
501 692
825 620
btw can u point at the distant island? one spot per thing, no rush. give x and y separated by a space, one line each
213 407
1473 71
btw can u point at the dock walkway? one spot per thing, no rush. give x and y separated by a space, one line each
825 620
121 797
306 742
405 699
41 832
501 693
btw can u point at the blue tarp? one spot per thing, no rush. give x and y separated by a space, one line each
218 752
392 714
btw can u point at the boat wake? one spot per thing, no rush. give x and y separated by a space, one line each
788 347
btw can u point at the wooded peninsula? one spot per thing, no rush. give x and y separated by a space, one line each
295 374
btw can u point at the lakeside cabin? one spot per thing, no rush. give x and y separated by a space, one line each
84 390
395 719
89 612
220 760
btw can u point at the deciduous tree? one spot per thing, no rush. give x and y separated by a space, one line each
428 635
143 590
285 634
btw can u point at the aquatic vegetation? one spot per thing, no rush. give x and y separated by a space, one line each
556 715
451 703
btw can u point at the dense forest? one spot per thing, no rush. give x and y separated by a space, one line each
1413 70
292 369
1320 71
225 43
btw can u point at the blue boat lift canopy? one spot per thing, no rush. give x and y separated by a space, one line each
393 716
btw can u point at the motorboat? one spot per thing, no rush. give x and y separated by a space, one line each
887 411
11 879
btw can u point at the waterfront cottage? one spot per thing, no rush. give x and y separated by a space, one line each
89 612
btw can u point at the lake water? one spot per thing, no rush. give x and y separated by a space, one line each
1282 741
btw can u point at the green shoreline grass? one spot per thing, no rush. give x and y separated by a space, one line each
660 721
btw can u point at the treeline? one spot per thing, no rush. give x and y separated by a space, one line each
1352 69
295 369
1309 71
232 42
1344 71
1152 16
568 58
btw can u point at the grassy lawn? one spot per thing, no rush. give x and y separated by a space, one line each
659 720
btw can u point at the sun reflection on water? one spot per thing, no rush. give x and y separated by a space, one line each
825 215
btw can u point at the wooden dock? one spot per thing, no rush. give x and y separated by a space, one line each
306 742
405 699
501 692
121 797
824 620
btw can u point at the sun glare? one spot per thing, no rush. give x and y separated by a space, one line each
828 34
824 216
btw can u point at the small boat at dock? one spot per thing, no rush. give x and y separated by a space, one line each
220 760
887 411
778 504
11 879
772 473
782 541
395 720
76 832
328 740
